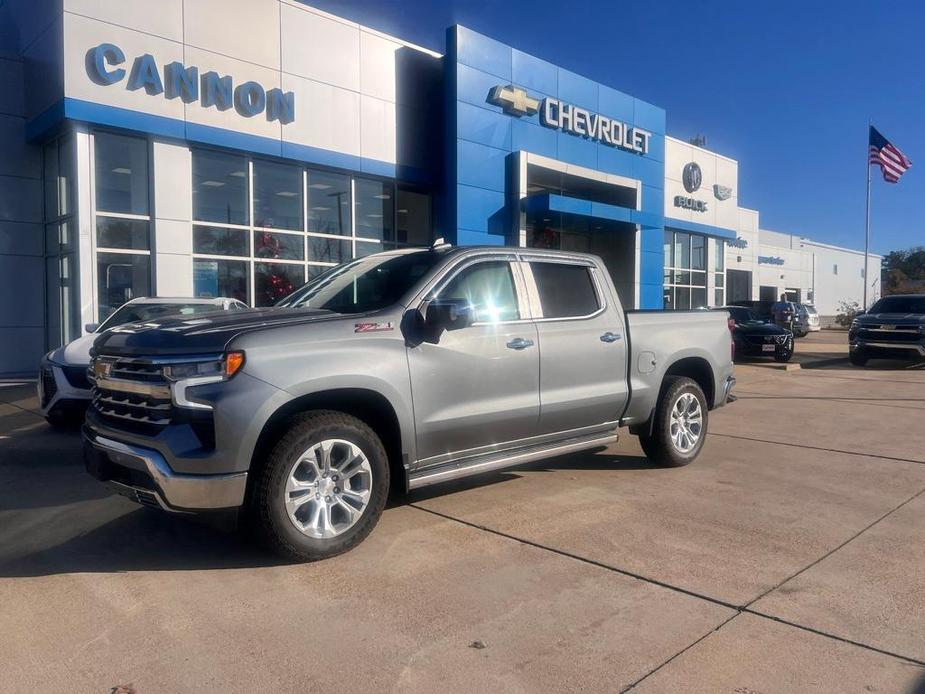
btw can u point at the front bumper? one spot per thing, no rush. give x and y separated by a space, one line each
55 392
897 349
727 395
143 475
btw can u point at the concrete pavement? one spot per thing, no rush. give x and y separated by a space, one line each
789 557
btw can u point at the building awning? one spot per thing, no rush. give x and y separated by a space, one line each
565 207
694 228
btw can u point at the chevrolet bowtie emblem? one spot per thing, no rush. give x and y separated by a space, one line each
513 100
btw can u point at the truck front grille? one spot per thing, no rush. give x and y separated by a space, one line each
883 333
133 395
767 339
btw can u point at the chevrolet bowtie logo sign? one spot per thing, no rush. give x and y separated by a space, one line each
514 100
560 115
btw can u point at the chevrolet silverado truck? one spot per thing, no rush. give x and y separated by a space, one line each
893 328
394 371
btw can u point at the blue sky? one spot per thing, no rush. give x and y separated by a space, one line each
786 88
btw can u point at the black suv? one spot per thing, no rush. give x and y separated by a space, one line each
757 338
894 327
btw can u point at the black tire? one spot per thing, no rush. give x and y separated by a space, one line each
659 447
65 420
858 358
267 503
785 353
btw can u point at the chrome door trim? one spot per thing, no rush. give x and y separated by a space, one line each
534 293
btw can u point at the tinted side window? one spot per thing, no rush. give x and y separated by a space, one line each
565 290
489 288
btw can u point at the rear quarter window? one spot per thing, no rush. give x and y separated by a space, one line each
566 291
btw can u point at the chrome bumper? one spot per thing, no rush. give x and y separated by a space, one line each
171 491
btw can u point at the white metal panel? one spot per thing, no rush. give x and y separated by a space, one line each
163 18
174 275
81 34
377 129
332 121
377 66
173 195
173 236
246 29
241 72
320 48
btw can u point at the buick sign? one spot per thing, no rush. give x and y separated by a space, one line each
692 177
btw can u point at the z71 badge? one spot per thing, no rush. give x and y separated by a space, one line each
373 327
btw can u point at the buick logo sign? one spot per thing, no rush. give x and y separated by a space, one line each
692 177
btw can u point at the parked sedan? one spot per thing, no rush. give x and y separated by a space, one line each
812 318
63 388
756 338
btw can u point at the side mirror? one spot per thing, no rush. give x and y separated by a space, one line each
91 327
448 314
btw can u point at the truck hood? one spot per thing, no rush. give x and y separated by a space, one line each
207 334
756 328
891 318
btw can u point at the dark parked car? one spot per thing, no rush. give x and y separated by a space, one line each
757 338
782 313
894 327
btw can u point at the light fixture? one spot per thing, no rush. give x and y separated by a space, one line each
403 212
321 208
375 216
238 174
213 184
383 196
286 194
121 170
319 186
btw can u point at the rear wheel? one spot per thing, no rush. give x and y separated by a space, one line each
680 426
322 487
858 358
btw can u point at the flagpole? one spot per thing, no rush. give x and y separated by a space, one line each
867 225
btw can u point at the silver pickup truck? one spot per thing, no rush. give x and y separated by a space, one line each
394 371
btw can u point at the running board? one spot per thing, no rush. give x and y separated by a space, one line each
497 461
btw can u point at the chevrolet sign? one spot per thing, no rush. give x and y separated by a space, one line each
560 115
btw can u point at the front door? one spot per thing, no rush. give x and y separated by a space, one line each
477 389
582 346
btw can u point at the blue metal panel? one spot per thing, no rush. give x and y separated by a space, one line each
696 228
648 219
577 90
483 53
478 209
469 237
653 199
651 264
651 296
389 170
656 148
652 241
614 104
528 137
646 169
480 165
473 86
480 125
616 161
76 109
576 150
534 74
649 117
235 140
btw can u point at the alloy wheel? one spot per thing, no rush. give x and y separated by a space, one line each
686 423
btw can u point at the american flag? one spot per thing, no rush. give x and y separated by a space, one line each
884 154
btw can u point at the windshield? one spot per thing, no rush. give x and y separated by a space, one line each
742 315
133 313
899 304
365 284
811 310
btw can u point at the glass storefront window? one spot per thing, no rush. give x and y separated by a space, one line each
279 246
719 256
686 270
698 252
413 218
328 250
329 203
220 241
277 196
229 278
120 277
682 250
698 297
219 187
374 209
365 248
116 232
121 173
273 281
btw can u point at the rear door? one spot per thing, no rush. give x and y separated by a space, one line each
583 348
478 389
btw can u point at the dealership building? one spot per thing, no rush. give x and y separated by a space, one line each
239 148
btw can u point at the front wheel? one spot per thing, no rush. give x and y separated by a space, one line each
680 426
322 488
785 352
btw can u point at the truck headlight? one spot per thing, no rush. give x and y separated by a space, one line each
205 371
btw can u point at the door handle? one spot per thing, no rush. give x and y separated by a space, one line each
611 337
519 343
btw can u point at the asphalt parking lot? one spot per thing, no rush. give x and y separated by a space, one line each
789 557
